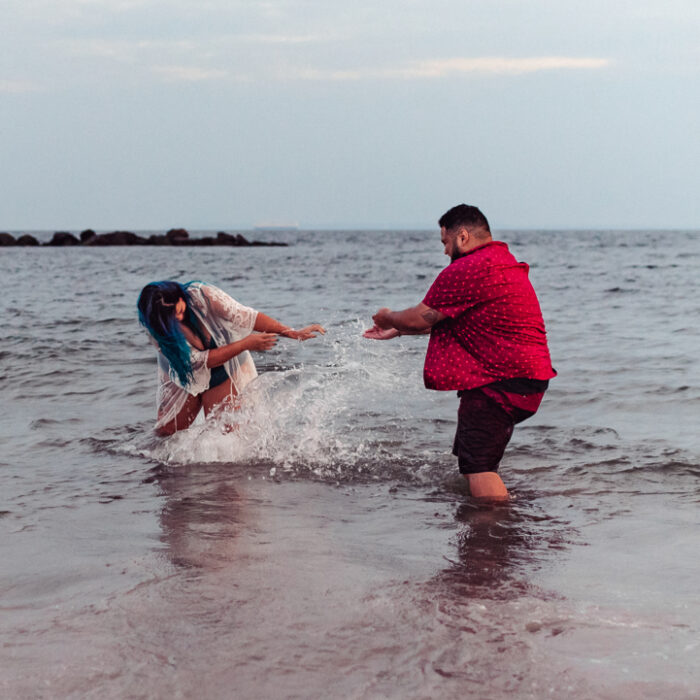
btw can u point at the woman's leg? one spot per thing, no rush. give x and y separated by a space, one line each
222 396
184 419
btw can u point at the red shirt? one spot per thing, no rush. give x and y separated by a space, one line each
494 328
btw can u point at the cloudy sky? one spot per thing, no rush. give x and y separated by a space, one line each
148 114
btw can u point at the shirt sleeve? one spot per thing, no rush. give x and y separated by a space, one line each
452 292
228 309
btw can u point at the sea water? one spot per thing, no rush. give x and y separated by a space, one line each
327 547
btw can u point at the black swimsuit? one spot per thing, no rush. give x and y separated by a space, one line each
218 374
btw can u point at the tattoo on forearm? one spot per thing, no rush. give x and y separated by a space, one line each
430 316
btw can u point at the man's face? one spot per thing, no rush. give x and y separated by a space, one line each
450 241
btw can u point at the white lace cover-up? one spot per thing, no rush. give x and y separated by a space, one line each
226 321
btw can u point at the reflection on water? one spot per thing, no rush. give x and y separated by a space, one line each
494 552
201 517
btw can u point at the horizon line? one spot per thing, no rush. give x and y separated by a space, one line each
345 228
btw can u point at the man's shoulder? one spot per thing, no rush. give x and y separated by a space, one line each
477 263
492 248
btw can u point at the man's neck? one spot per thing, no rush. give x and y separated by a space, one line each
471 247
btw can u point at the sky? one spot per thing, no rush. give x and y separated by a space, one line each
226 114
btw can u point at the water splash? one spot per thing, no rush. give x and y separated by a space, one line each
342 418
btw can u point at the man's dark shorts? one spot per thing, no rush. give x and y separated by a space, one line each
486 418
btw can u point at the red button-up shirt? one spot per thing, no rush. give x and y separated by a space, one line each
494 328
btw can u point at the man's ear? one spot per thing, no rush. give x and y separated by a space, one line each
463 237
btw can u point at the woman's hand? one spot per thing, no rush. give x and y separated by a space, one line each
261 341
305 333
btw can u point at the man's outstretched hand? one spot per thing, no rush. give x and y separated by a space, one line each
381 318
376 333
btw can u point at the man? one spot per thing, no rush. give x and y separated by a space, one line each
487 341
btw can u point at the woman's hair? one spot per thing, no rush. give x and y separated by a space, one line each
156 307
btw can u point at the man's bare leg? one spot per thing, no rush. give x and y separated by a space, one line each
487 486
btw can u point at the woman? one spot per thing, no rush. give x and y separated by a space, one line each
203 338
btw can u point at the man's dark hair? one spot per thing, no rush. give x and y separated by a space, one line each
464 215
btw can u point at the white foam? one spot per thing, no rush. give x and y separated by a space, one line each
316 416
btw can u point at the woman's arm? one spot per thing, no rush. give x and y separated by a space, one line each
249 319
266 324
256 341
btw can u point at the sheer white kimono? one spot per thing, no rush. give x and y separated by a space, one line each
227 321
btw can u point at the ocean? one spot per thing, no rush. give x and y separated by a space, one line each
327 548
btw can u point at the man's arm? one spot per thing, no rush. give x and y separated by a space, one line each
414 321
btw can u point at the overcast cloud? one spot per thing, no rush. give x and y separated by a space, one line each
548 113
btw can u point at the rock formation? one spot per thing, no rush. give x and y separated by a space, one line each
174 237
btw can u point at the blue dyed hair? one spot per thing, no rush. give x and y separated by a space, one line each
156 307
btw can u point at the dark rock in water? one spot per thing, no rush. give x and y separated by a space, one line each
277 243
178 233
63 238
190 241
223 238
176 236
116 238
208 240
26 239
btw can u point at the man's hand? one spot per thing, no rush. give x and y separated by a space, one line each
376 333
381 318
